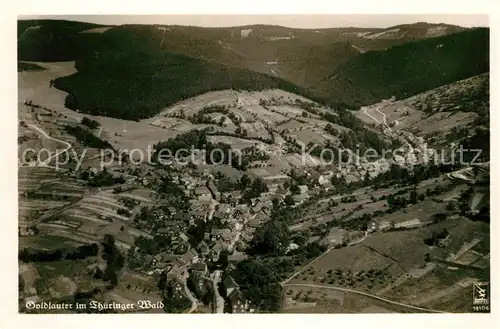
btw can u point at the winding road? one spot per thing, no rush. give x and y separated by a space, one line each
47 161
219 301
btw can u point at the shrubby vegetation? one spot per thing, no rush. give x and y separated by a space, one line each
87 138
114 260
92 124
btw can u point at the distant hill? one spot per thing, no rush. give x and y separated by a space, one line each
132 71
129 77
409 69
302 56
54 40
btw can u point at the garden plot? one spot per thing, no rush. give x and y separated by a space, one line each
142 195
40 205
60 190
268 173
434 289
256 129
169 123
322 124
287 110
293 125
195 104
258 112
82 215
315 136
242 115
226 121
102 211
297 160
236 143
382 258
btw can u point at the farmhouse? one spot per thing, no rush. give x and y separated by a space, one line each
303 189
412 223
223 210
203 194
300 198
335 237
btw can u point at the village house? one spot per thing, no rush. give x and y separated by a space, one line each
254 222
235 196
177 290
181 246
229 285
259 206
303 189
373 226
203 194
215 233
300 198
236 257
198 275
241 209
336 236
175 178
203 248
272 188
172 211
226 234
190 257
175 271
197 214
412 223
215 251
200 268
222 211
237 303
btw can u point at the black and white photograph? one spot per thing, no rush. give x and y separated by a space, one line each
250 164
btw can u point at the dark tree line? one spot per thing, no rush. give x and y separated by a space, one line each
81 252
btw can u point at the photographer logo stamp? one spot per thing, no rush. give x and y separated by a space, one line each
481 297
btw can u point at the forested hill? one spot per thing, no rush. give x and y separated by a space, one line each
136 85
55 40
409 69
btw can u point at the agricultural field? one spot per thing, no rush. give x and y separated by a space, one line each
364 204
313 135
256 130
133 287
323 299
401 267
95 215
236 143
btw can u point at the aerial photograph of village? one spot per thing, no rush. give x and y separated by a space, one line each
261 168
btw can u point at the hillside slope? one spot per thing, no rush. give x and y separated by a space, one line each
135 85
409 69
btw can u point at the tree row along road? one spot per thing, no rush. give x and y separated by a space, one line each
415 308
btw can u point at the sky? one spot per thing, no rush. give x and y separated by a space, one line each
294 21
